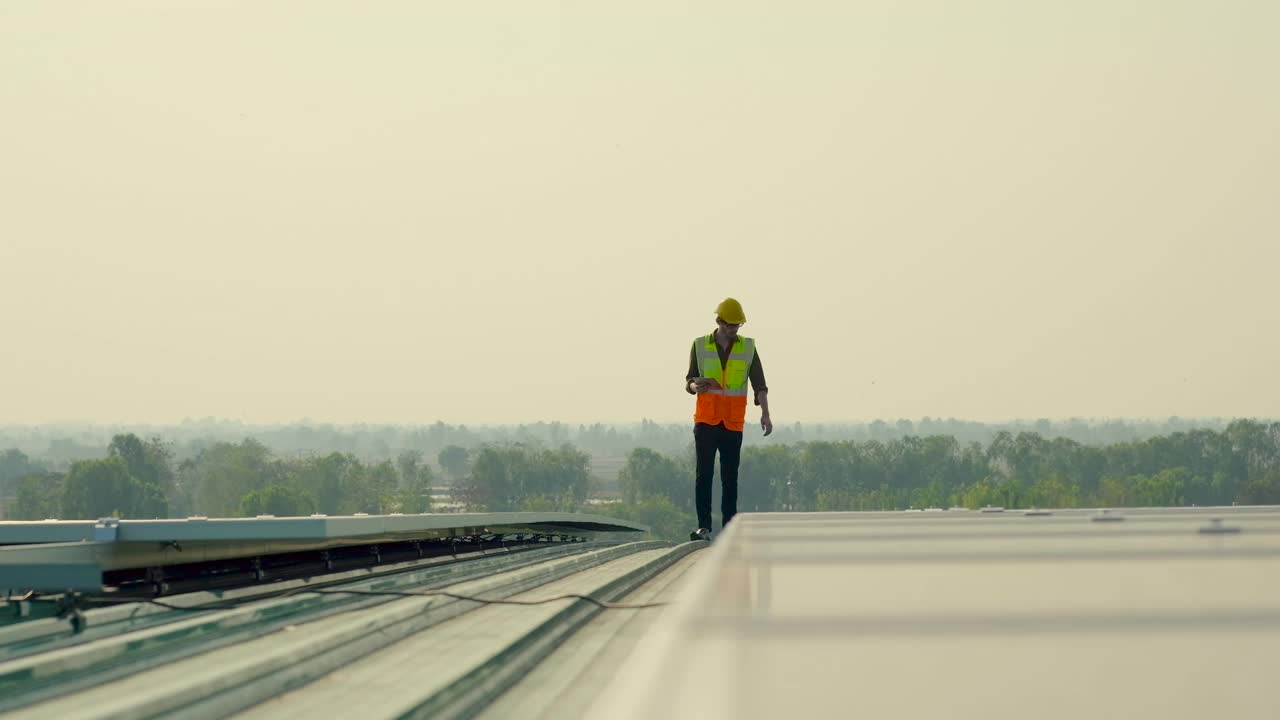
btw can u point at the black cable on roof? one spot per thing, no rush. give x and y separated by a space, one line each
603 605
488 601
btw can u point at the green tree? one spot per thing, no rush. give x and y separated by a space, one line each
1114 492
490 485
650 474
278 500
454 459
99 488
834 499
150 465
226 472
415 497
1164 489
563 474
1262 490
934 495
823 470
665 520
377 492
764 478
38 496
416 480
504 476
14 464
994 492
407 464
1053 492
326 479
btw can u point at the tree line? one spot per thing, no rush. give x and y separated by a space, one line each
1237 464
140 479
57 446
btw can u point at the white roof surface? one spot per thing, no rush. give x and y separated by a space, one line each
1135 613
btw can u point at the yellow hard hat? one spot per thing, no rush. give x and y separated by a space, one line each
730 311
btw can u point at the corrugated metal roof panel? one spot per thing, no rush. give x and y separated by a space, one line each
49 563
312 528
225 657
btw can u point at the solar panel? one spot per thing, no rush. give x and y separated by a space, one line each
1170 613
55 556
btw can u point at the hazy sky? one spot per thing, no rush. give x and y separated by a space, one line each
489 212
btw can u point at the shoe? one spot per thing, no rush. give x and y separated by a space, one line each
700 534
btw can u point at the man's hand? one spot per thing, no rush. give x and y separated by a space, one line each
701 385
766 423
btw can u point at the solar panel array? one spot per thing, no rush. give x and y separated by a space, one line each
1161 613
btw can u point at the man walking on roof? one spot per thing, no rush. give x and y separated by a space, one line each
720 365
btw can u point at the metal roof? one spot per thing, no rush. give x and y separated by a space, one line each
430 636
1169 613
311 528
58 555
564 685
990 614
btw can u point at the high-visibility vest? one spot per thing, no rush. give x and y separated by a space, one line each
727 405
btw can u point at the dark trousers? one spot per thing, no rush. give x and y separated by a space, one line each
707 439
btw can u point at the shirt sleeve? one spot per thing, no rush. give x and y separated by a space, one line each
757 378
693 368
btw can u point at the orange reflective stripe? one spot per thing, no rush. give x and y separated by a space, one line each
715 409
728 404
